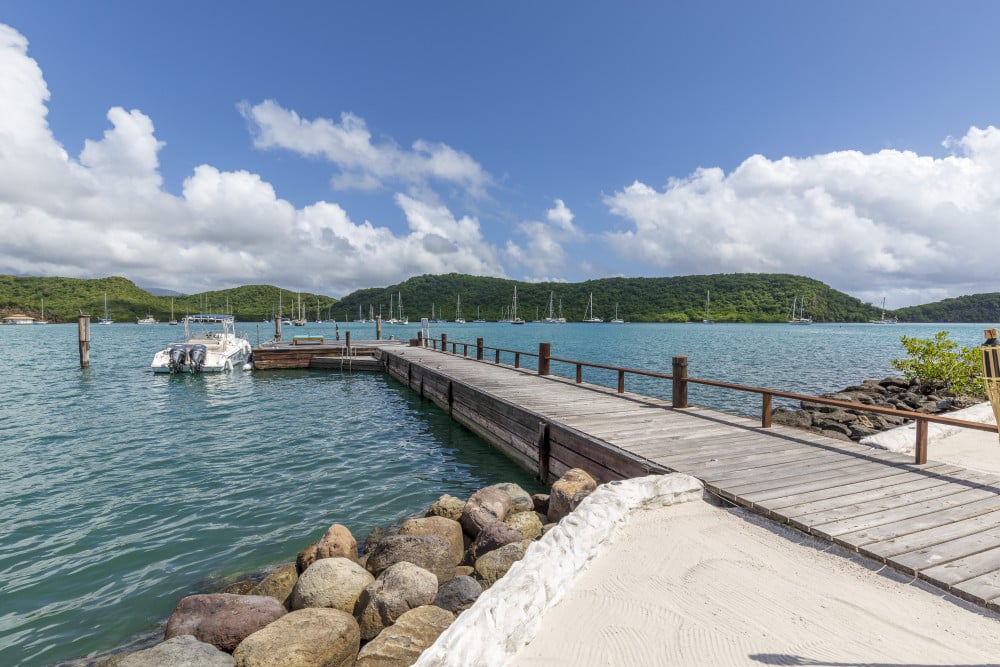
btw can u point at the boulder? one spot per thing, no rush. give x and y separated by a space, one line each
179 651
310 637
520 500
427 551
485 506
447 506
449 530
279 584
529 524
794 418
493 537
400 588
493 565
241 587
223 619
569 491
331 582
336 543
377 534
458 594
401 644
540 502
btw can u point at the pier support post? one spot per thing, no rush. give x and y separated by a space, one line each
544 358
277 329
444 342
680 374
420 338
83 326
479 349
765 411
378 328
544 452
347 342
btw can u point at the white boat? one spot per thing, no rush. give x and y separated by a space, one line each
617 320
552 319
458 310
799 316
173 322
107 316
149 319
882 318
588 316
514 319
205 351
708 310
478 318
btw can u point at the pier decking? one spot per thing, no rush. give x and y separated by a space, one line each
938 522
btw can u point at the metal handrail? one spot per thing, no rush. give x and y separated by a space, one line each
681 379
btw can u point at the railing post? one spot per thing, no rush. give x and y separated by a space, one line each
444 342
680 374
465 349
420 337
347 342
621 381
544 355
920 450
498 356
517 360
579 373
765 411
378 328
479 349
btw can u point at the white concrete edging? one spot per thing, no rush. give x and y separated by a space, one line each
508 614
903 439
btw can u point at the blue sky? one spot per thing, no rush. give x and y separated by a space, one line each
331 146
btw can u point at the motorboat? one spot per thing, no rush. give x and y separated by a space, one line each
205 351
149 319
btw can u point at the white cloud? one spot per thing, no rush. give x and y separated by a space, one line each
543 254
364 164
106 213
867 224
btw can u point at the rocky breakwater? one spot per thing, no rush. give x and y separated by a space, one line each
855 424
381 605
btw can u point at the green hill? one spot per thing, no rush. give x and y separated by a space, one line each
64 297
972 308
737 297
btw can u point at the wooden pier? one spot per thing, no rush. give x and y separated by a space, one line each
938 522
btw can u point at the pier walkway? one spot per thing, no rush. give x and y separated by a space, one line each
938 522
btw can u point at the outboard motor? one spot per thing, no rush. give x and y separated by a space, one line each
177 358
196 357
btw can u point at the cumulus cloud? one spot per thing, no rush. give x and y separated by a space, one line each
364 164
868 224
543 253
106 213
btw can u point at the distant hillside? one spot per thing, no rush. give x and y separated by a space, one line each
65 297
973 308
738 297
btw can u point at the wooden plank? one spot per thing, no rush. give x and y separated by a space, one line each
929 537
963 569
820 511
871 534
945 552
866 521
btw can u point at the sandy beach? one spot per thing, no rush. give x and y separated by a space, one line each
695 584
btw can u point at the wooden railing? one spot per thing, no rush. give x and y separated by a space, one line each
680 381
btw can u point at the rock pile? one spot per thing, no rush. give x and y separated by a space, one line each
853 424
382 607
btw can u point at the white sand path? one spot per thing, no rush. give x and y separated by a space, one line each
695 584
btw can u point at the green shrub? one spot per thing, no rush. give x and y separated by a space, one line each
940 361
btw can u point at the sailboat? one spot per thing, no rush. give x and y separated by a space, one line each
300 321
42 320
478 318
882 318
458 310
708 311
172 320
800 316
514 318
617 320
107 316
588 316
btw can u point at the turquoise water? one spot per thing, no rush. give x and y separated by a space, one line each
122 491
